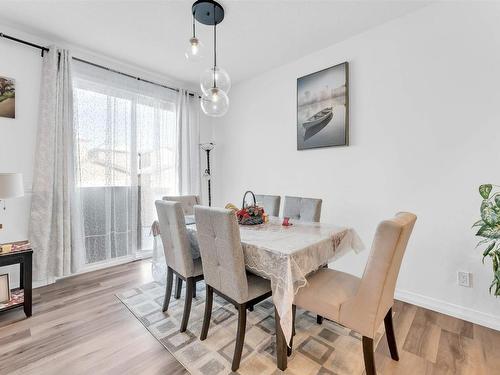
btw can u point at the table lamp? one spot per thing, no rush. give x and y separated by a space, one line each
11 186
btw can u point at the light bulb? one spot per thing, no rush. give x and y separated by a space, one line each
195 50
222 80
215 102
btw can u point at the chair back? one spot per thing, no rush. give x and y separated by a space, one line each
221 251
187 202
303 209
375 295
271 203
174 236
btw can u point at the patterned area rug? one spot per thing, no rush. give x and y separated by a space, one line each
318 349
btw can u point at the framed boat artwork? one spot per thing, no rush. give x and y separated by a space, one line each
323 108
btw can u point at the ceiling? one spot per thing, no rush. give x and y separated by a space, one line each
254 37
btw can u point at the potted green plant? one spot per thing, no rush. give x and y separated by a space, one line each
489 230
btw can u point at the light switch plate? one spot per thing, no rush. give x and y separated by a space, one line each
465 279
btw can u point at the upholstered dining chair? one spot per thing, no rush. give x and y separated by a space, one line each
224 267
271 203
178 255
303 209
187 202
362 303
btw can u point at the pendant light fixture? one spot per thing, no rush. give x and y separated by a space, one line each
214 82
195 50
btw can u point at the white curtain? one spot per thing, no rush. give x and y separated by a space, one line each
108 147
187 165
52 210
188 125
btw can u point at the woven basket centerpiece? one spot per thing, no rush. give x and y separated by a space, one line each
250 214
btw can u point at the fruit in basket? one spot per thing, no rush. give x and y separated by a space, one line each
232 207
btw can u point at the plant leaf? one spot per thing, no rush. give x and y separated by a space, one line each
482 242
493 283
489 231
478 223
497 200
488 249
485 190
488 214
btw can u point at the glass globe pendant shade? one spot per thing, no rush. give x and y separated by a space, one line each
222 80
215 102
194 51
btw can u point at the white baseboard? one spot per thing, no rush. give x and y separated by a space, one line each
464 313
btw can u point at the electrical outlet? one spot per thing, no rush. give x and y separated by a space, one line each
465 279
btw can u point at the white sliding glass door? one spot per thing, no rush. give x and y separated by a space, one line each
126 136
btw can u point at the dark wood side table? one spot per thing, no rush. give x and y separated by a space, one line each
24 258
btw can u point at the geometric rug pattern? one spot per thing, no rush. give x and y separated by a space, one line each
318 349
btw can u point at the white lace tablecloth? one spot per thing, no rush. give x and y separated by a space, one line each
286 255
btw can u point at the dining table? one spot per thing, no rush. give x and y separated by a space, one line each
286 255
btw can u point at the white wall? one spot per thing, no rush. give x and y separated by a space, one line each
18 136
425 133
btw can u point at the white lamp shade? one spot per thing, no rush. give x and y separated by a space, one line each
11 185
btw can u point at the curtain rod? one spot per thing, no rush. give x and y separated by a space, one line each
45 49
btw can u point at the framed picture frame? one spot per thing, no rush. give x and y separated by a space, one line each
7 97
323 108
4 288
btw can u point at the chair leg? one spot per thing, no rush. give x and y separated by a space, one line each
168 290
250 308
194 290
368 355
240 336
289 348
208 312
391 339
187 303
178 288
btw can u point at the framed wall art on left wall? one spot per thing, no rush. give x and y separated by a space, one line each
7 97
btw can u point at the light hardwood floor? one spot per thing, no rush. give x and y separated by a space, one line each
80 327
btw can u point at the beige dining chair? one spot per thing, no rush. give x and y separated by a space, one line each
187 202
224 267
362 303
178 255
303 209
271 203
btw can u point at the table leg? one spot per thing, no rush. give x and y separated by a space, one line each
281 347
21 275
27 283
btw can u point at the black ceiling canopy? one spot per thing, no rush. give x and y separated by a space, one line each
208 12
